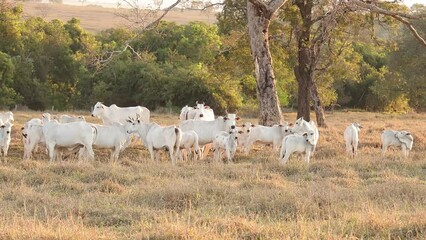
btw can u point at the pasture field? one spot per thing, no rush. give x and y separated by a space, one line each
96 18
255 197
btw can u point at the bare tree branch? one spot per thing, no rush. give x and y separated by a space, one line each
401 17
165 11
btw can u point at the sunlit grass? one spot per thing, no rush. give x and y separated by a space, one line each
334 197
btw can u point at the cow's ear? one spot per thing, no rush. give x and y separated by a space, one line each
253 125
408 133
244 125
305 134
237 118
291 124
206 107
280 125
2 126
240 132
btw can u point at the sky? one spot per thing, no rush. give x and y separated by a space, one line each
166 3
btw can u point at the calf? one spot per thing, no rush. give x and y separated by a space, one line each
5 131
244 135
351 138
225 141
297 143
397 138
156 137
67 119
268 135
301 126
189 143
112 136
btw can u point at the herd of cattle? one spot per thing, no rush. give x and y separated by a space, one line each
198 131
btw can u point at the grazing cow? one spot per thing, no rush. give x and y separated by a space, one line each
397 138
297 143
189 143
67 119
199 112
225 141
268 135
301 126
119 114
156 137
351 138
5 131
6 117
113 136
69 135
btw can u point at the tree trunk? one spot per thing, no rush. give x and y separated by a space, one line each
258 24
318 108
303 88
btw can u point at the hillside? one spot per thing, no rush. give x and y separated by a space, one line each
97 18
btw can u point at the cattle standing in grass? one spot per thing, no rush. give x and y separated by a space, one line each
207 130
119 114
6 117
112 136
155 137
297 143
301 126
351 138
32 134
199 112
397 138
267 135
69 135
225 141
244 135
189 143
5 131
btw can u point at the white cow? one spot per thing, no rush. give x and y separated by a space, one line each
351 138
397 138
32 133
189 143
297 143
119 114
301 126
267 135
46 117
6 117
113 136
186 113
156 137
207 130
244 135
199 112
69 135
225 141
67 119
5 131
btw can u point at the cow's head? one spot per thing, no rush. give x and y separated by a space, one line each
406 138
246 127
230 120
7 127
309 137
98 110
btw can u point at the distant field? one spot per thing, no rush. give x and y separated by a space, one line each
96 18
333 197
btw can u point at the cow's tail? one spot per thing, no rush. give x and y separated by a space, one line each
176 146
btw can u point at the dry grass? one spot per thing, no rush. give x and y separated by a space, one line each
96 18
253 198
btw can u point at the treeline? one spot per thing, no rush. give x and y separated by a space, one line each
55 64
